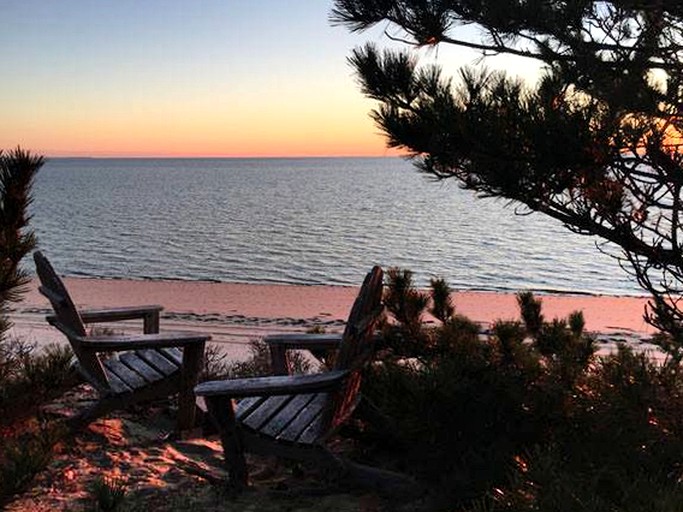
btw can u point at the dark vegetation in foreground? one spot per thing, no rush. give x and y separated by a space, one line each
28 380
521 418
25 379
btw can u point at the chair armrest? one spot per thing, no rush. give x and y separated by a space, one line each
278 385
304 341
317 344
117 342
149 314
91 316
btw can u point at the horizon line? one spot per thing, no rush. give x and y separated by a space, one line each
207 157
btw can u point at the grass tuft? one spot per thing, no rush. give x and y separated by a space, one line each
23 457
108 493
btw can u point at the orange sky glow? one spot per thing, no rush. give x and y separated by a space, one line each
211 137
176 78
172 79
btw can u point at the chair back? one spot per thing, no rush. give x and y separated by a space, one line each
357 346
67 318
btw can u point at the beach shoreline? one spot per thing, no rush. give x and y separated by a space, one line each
237 313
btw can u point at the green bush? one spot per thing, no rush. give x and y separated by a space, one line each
459 417
50 371
29 377
21 458
525 417
12 353
617 447
258 364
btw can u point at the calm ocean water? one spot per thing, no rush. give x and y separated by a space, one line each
305 221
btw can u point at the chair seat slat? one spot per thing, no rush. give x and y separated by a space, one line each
304 418
116 385
140 366
246 405
313 431
158 362
286 415
174 354
131 378
265 411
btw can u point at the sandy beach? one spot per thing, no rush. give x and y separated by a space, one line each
237 313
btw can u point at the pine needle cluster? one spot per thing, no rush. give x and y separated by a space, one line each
18 169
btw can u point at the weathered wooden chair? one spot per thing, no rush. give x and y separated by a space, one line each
136 368
294 416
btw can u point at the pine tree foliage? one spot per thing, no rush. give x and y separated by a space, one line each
442 305
406 303
530 309
17 171
596 143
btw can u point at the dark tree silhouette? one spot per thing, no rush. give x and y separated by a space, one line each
595 143
17 171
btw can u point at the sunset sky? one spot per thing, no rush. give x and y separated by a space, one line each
186 78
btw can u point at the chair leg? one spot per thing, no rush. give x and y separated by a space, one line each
223 414
193 356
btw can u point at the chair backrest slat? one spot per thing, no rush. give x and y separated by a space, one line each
356 347
54 298
68 319
53 288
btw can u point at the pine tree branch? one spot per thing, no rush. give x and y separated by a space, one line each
17 172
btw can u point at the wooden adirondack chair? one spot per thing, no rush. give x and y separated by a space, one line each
293 416
143 367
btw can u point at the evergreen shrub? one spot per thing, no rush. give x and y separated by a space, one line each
525 416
